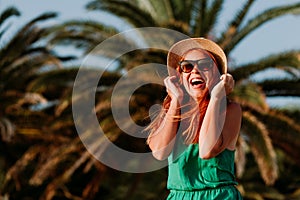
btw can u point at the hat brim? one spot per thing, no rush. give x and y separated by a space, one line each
178 49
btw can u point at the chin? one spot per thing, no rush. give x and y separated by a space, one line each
198 94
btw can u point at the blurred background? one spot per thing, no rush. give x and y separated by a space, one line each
43 44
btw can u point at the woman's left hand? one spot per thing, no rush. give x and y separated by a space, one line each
229 82
223 87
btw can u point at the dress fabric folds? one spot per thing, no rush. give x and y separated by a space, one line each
193 178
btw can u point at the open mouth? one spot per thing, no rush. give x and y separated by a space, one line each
197 82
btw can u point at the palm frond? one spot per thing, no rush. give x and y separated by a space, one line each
167 9
93 186
212 16
240 157
50 161
259 20
180 10
280 61
234 25
14 173
89 36
284 132
7 129
160 10
42 17
204 17
148 5
52 157
28 67
198 17
140 57
284 87
24 40
57 78
81 33
126 10
261 147
250 95
292 114
6 14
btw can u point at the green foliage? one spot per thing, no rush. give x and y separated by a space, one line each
41 155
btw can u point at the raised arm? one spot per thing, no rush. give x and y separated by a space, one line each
221 124
162 140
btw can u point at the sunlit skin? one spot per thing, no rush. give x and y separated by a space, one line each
210 142
207 78
210 79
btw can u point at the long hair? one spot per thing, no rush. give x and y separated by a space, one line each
191 111
193 117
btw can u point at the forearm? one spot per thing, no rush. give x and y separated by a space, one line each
162 140
211 127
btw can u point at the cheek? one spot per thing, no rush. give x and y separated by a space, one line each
211 79
214 74
216 71
184 81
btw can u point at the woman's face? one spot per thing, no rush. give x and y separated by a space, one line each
202 77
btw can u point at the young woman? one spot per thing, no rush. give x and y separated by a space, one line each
198 126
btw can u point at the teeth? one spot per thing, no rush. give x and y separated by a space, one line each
196 81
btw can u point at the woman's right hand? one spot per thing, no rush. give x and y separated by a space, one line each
173 88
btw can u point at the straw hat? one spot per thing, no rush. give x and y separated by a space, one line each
179 48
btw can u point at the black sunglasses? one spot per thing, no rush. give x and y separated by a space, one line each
202 64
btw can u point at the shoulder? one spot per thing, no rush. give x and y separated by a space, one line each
234 108
232 124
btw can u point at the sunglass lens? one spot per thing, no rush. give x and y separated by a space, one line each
204 65
186 66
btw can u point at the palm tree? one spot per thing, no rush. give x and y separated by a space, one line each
264 128
39 149
21 60
43 158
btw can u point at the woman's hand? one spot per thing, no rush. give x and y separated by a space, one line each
173 88
223 87
229 83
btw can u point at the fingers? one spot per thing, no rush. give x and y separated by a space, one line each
173 87
170 81
228 82
224 77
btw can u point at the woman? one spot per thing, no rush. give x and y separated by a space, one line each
198 126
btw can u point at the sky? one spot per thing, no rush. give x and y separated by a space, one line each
285 31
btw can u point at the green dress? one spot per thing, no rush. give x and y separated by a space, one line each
191 177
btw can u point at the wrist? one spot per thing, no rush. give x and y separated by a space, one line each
218 95
217 98
174 104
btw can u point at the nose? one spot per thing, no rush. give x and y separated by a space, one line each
195 69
